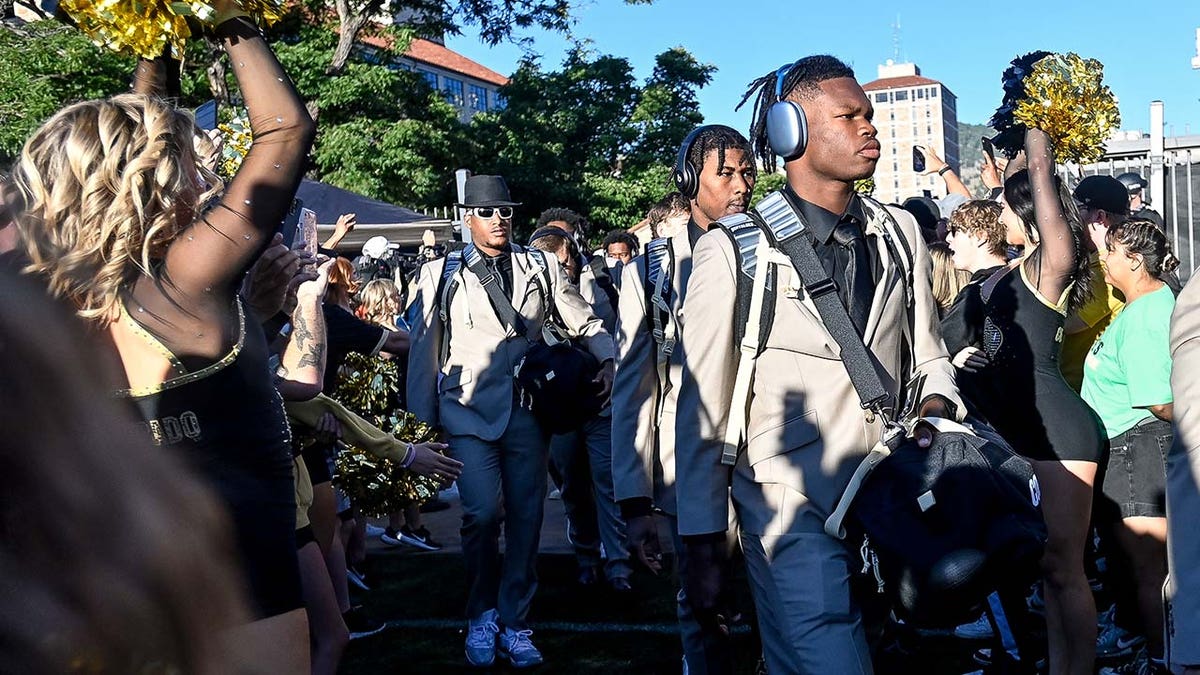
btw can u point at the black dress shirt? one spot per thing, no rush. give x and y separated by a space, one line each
501 265
835 257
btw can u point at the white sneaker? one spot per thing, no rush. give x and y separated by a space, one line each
481 639
979 629
516 646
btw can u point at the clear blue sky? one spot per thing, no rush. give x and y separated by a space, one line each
1146 46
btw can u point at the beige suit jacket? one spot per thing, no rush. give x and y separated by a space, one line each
472 392
805 427
1183 475
643 461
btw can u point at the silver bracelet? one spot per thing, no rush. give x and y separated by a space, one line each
410 456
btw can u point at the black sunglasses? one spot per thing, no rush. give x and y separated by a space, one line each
505 212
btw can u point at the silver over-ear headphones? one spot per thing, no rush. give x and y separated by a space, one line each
787 128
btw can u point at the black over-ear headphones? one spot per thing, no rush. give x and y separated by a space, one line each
686 176
787 127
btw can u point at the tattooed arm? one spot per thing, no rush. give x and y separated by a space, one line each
302 365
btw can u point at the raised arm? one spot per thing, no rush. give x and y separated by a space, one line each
150 77
302 364
210 256
1053 267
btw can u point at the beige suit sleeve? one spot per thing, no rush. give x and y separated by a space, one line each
426 340
1183 473
577 315
635 389
932 359
702 482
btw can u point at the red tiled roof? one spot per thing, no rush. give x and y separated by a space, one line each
438 55
896 82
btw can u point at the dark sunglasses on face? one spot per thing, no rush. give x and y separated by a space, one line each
505 212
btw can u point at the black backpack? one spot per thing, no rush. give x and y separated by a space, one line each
944 526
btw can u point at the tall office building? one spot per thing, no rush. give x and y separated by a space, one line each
911 110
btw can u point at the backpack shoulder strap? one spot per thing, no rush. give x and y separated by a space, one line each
744 233
604 279
659 266
447 286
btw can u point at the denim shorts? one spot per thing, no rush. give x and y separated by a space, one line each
1136 478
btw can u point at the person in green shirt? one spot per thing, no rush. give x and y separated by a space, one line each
1127 382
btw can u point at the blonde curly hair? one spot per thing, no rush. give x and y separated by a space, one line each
377 303
101 190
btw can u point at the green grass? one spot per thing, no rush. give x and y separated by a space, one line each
424 594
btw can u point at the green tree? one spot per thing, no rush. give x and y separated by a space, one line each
588 136
46 65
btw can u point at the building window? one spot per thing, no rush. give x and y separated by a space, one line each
430 77
933 92
881 98
452 89
902 95
478 97
921 93
499 101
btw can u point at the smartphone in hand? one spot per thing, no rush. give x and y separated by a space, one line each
306 232
988 149
290 223
918 159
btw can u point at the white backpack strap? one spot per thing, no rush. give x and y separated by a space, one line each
739 403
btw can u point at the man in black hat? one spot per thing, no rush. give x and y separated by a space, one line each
478 311
1102 203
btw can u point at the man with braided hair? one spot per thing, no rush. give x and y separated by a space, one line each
715 173
804 431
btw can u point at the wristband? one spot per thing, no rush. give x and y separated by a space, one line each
410 456
943 170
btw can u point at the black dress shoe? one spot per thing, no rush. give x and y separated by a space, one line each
620 585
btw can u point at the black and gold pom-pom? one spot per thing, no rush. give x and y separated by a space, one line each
1061 94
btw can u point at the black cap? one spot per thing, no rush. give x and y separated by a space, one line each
1103 192
486 191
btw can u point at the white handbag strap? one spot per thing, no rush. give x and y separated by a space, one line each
834 523
739 403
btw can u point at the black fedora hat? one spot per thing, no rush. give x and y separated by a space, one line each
486 191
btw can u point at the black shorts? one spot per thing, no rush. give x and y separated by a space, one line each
316 458
1136 477
305 536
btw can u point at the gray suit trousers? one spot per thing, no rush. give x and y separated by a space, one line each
800 578
706 652
502 480
583 459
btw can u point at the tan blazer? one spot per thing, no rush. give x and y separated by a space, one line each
472 392
643 462
594 295
1183 475
805 427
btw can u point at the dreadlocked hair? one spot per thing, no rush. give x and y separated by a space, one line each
719 138
801 80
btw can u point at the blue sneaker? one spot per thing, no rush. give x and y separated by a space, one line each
481 639
518 649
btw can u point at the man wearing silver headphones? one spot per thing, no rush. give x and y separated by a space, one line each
798 428
715 172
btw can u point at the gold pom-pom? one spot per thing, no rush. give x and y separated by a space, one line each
150 29
236 138
1065 96
378 487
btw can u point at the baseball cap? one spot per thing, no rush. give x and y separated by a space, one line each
375 247
1103 192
